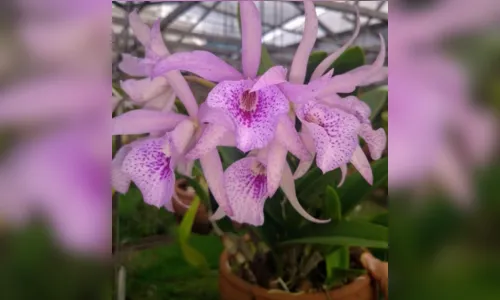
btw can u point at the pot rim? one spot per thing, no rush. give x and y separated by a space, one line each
340 293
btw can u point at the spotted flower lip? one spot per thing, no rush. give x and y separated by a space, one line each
150 166
254 114
246 183
334 133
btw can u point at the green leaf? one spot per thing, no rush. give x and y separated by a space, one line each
345 233
191 255
314 60
351 59
265 61
316 183
337 259
229 155
188 220
238 17
340 241
194 257
376 99
381 219
333 207
355 188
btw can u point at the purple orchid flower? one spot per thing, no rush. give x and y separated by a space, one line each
245 104
150 162
331 125
154 93
248 112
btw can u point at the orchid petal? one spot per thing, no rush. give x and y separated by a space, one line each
141 121
185 168
276 160
352 105
210 138
343 169
273 76
334 132
376 140
182 135
302 93
327 62
305 164
140 29
183 91
144 89
246 186
119 180
361 76
288 136
164 102
288 187
219 214
133 66
362 164
202 63
253 114
251 35
377 76
150 167
156 43
300 59
214 174
214 116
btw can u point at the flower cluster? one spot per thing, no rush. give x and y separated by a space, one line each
256 114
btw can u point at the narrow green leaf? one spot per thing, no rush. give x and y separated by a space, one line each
229 155
333 207
381 219
337 259
194 257
351 59
356 188
188 220
265 61
191 255
238 17
314 60
340 241
344 233
376 99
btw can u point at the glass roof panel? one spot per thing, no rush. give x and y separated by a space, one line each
151 13
218 24
189 19
334 21
281 38
277 12
228 7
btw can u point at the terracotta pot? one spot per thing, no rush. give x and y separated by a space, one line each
186 195
232 287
